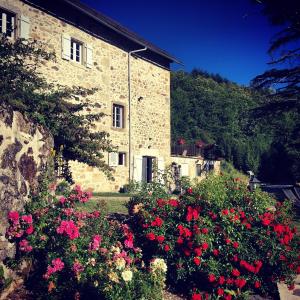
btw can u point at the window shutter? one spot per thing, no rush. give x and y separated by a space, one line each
3 22
65 46
113 159
184 169
138 168
160 164
89 56
24 27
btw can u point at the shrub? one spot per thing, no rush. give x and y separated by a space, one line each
76 254
219 238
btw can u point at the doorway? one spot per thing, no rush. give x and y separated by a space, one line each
147 169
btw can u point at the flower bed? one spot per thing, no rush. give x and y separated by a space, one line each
80 255
219 239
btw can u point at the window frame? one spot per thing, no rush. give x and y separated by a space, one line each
73 51
4 22
118 124
123 155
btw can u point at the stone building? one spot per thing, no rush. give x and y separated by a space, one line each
131 74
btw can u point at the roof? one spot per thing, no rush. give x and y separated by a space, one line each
117 27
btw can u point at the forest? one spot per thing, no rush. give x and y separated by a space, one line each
214 110
256 127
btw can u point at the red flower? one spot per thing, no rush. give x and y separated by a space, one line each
205 231
157 222
235 245
187 252
205 246
222 280
211 277
192 214
198 251
240 282
216 252
228 241
180 240
160 238
189 190
257 284
196 297
220 292
160 202
227 297
197 261
235 272
167 248
248 226
291 287
173 202
225 212
150 236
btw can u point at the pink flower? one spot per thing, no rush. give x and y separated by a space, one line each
27 219
56 265
24 246
96 242
30 229
77 267
62 200
13 216
68 228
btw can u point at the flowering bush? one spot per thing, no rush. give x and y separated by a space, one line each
81 254
220 239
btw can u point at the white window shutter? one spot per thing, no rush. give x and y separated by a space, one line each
65 46
113 159
184 169
138 168
24 27
89 55
3 15
160 164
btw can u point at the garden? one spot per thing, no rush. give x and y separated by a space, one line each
216 240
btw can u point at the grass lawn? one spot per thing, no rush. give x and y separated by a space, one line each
106 204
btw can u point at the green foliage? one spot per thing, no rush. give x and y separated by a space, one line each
219 238
215 110
218 112
67 112
282 110
78 254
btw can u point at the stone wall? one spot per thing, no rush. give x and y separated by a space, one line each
24 149
150 116
188 166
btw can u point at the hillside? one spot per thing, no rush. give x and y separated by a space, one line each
210 108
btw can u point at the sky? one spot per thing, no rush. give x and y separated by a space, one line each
229 37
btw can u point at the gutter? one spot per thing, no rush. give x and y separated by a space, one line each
130 152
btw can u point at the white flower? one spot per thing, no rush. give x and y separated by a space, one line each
126 275
120 263
158 264
115 250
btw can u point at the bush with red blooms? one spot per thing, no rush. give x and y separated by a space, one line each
220 240
77 253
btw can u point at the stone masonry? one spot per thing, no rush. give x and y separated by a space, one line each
150 117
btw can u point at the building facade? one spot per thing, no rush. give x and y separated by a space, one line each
132 77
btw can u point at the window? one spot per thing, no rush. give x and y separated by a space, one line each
7 23
118 116
198 170
122 159
76 51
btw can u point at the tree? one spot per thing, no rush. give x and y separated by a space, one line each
282 84
66 112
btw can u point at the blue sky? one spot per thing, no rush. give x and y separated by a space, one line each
229 37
